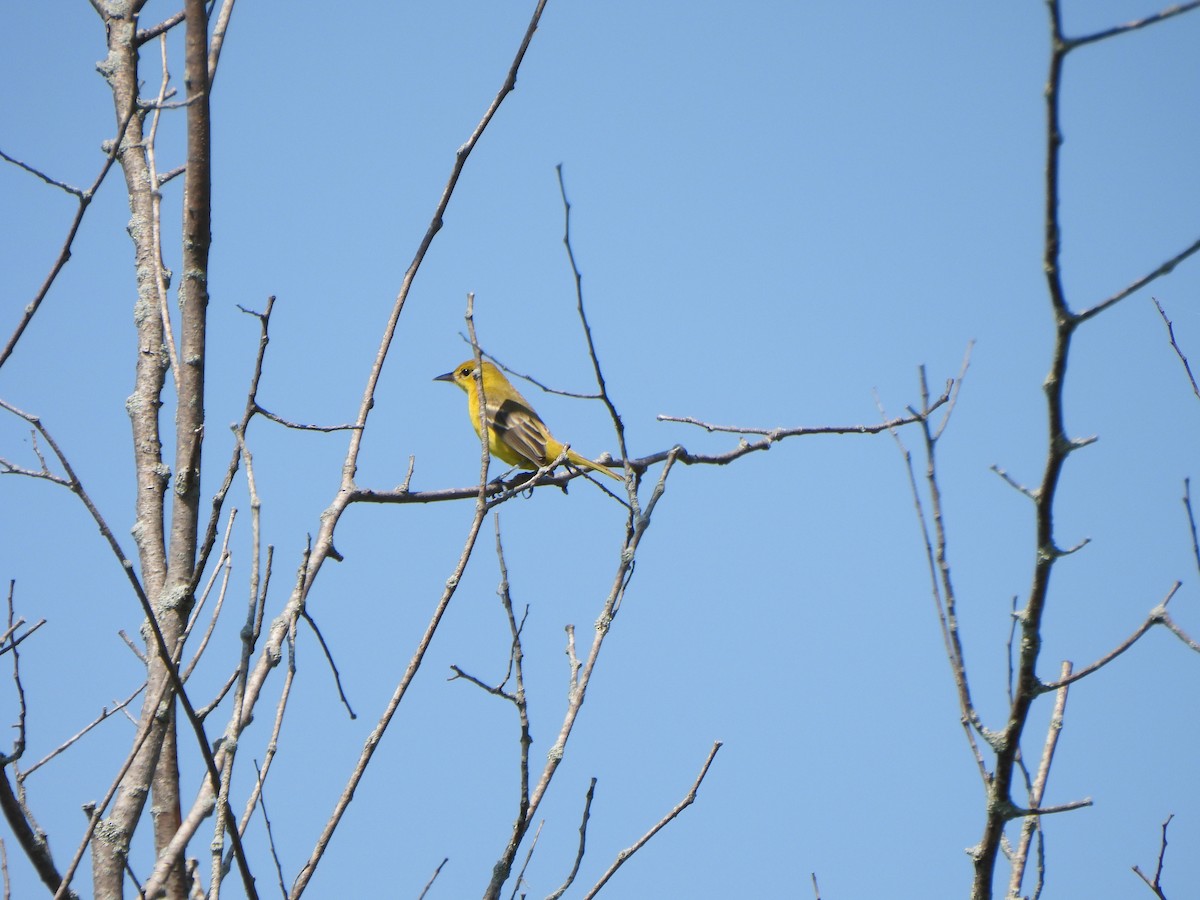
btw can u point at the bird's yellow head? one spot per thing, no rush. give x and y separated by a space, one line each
464 374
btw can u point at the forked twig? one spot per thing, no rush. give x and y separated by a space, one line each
84 198
1156 616
1155 884
65 745
520 879
625 854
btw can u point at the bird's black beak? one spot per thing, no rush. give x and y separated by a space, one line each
449 376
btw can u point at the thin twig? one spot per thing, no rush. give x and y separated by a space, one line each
525 376
1187 505
224 564
149 34
262 802
414 664
302 426
105 712
337 676
520 879
1128 27
84 198
687 801
587 812
1156 884
1175 346
248 413
96 812
272 743
432 878
1038 790
1162 269
941 585
1156 616
16 642
636 525
618 425
162 277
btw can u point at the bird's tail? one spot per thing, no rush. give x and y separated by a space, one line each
585 463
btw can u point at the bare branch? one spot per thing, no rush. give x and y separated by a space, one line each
687 801
72 483
162 277
262 800
385 719
1038 789
1171 11
337 676
65 745
525 376
1187 505
223 565
6 647
85 198
1013 483
1157 616
520 879
149 34
302 426
273 741
777 434
94 813
432 878
587 812
32 842
1156 884
39 174
1164 268
1187 639
248 412
218 39
618 425
1175 346
945 600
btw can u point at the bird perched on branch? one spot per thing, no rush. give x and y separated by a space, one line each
516 434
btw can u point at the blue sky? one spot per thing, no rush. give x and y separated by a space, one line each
779 209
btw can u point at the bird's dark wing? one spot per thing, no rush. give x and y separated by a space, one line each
519 428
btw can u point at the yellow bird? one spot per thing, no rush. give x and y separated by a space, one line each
516 434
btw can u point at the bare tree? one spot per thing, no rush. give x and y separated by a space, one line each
185 767
1013 791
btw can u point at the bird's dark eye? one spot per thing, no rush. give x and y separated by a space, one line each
464 371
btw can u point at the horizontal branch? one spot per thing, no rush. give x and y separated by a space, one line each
778 434
641 464
1157 616
1017 812
1137 24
